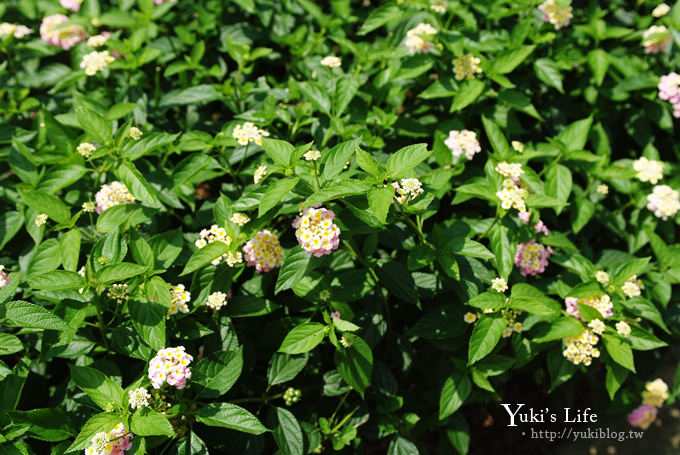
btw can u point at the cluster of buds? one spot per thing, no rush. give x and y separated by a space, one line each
178 300
556 14
532 257
115 442
96 61
416 38
65 36
603 304
633 287
513 194
40 219
669 90
260 174
581 349
653 397
292 395
86 149
214 234
263 251
135 133
499 285
98 40
463 142
138 398
623 329
18 31
602 277
656 38
511 319
466 66
118 292
331 61
217 300
408 190
115 193
513 170
248 133
240 218
170 365
648 170
664 201
316 232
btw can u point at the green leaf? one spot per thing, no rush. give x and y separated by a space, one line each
198 94
287 433
490 299
29 315
502 249
57 280
644 308
402 446
455 391
119 272
468 247
96 126
380 201
345 326
243 306
345 89
343 188
548 72
355 363
558 184
102 422
379 17
294 267
147 422
45 203
507 61
519 101
459 434
70 249
148 319
575 135
561 328
582 211
616 375
98 386
46 424
405 159
485 336
275 193
10 224
205 256
279 151
284 367
396 277
368 163
230 416
303 338
497 139
336 158
619 350
218 372
137 184
9 344
599 62
319 98
467 94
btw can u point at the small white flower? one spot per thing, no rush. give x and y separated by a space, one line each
139 398
135 133
331 61
623 329
603 189
217 300
40 219
499 285
260 174
597 326
661 10
602 277
86 149
312 155
240 218
96 61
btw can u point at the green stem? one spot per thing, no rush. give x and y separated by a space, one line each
343 421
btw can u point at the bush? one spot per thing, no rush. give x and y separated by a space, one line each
337 226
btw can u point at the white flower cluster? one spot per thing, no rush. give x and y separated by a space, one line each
648 170
664 201
217 300
415 40
513 195
581 349
18 31
331 61
409 189
463 142
86 149
632 287
96 61
248 132
178 300
139 398
214 234
509 169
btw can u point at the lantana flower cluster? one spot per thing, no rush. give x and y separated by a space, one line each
331 61
118 292
409 189
602 303
506 169
653 397
214 234
669 90
532 257
416 38
98 40
54 34
656 39
138 398
115 193
217 300
248 133
513 325
466 66
73 5
632 287
179 298
539 227
556 14
170 365
115 442
263 251
316 232
581 349
664 201
96 61
18 31
513 195
86 149
4 281
648 170
463 142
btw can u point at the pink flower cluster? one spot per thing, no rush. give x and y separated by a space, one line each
115 193
54 34
532 258
642 416
263 251
656 39
603 304
73 5
316 232
170 365
115 442
669 90
540 226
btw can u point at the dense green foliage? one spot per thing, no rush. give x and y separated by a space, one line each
365 349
